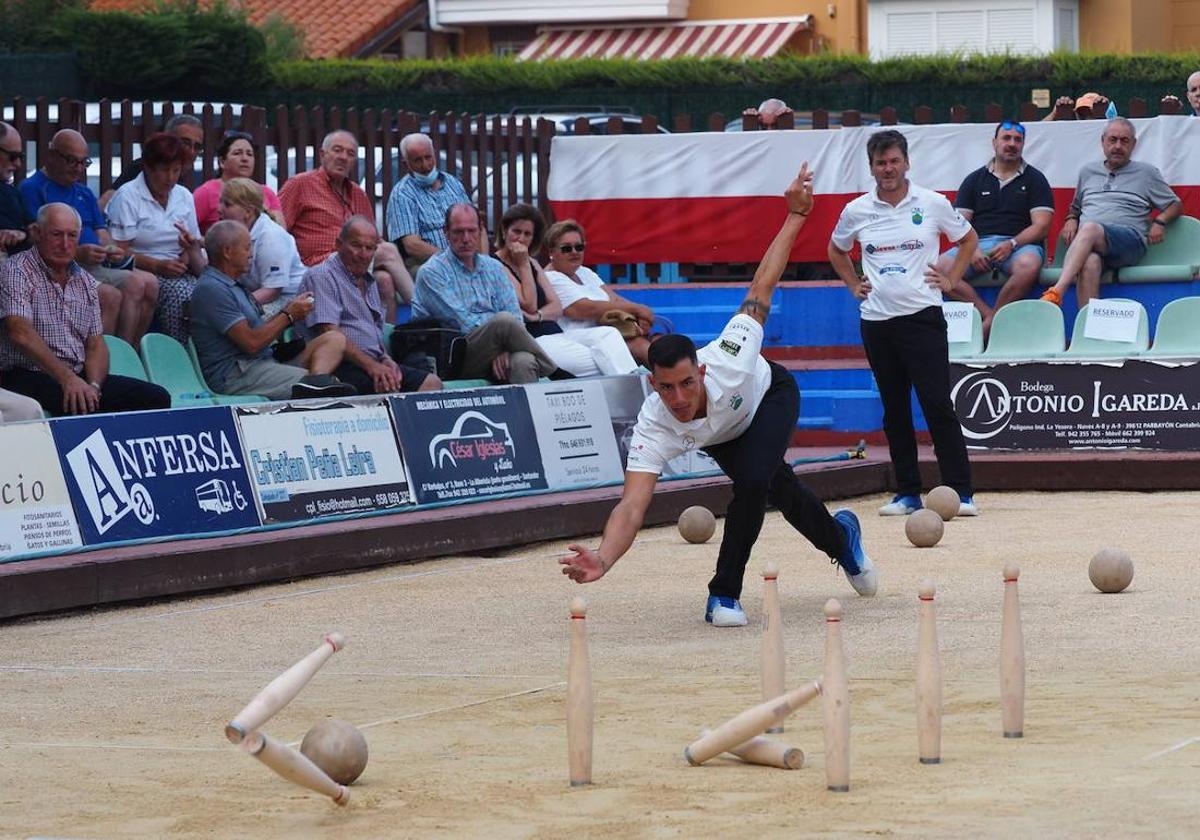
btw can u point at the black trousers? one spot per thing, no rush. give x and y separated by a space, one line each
120 393
911 352
350 373
755 462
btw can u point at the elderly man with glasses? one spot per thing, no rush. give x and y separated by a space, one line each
190 132
127 295
15 219
1010 205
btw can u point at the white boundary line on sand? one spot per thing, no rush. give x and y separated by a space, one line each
1186 742
121 669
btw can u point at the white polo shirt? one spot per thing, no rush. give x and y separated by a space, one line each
736 378
589 287
134 215
898 244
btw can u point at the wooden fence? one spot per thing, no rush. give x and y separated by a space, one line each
500 160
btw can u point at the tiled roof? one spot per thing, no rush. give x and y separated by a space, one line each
332 28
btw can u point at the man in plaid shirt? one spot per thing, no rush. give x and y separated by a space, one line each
51 345
317 203
417 207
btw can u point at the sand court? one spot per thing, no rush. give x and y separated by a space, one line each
455 671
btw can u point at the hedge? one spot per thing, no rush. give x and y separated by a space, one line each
489 74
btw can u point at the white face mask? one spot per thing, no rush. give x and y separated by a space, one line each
427 180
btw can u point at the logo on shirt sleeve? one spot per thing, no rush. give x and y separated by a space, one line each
735 402
730 347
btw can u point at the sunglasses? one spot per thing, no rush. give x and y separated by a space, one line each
16 157
577 248
1009 125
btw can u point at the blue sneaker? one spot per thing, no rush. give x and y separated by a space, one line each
724 612
966 506
901 506
855 563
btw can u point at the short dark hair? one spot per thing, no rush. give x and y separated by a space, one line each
522 213
881 141
232 137
669 350
162 149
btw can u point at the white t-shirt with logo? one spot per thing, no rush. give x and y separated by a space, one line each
898 243
736 378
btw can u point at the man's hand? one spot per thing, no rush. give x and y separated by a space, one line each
186 241
1069 229
91 254
981 261
500 366
8 238
79 397
519 252
1000 253
1157 232
299 307
584 567
937 278
386 376
171 268
799 194
861 290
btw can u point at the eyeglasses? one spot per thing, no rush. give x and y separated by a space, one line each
1009 125
71 160
566 249
15 157
191 145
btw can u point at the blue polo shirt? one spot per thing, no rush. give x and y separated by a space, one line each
1004 210
37 190
218 303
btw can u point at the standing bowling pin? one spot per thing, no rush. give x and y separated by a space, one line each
929 681
293 765
580 712
772 638
282 690
836 703
1012 658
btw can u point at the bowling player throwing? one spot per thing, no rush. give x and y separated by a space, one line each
740 409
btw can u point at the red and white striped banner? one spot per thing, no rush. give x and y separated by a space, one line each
716 197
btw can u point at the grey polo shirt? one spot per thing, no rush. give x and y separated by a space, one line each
1122 196
218 303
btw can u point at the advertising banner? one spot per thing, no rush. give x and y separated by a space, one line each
574 432
468 444
155 473
1134 404
307 463
35 509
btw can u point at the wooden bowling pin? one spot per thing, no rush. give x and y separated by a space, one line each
929 680
293 765
754 721
836 698
1012 658
580 711
773 683
769 753
282 690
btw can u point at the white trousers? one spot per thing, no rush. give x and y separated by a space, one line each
589 351
15 407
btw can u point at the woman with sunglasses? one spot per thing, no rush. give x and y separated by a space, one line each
276 269
154 218
235 156
585 299
585 352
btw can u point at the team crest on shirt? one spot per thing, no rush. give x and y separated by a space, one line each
730 347
689 443
735 402
918 215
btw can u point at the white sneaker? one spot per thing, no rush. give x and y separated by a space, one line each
966 506
901 506
866 580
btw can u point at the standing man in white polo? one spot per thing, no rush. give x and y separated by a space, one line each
899 225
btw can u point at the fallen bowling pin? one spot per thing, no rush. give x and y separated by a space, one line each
282 690
293 766
754 721
769 753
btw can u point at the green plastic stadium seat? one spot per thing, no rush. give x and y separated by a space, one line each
123 360
1026 329
1097 348
1177 333
961 350
221 399
1177 257
1052 272
457 384
168 365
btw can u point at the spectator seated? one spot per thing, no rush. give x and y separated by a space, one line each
1052 272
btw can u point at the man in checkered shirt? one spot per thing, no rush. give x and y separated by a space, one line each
51 345
416 209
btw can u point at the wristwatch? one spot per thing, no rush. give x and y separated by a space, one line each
96 385
1013 243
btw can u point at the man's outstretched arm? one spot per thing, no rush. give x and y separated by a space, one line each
586 565
799 203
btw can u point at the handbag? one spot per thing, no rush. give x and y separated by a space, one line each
626 323
431 345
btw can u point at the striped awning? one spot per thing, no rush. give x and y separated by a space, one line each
751 38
